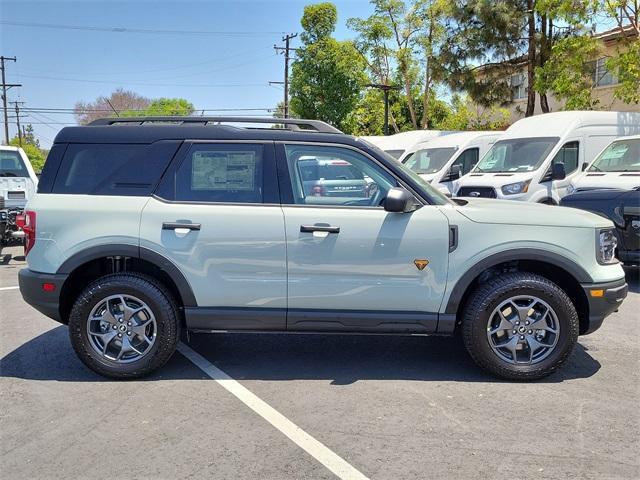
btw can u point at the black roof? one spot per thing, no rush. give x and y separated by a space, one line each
151 129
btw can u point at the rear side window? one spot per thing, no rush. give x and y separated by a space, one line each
221 173
113 169
11 164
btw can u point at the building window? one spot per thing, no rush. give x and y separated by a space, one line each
600 76
519 86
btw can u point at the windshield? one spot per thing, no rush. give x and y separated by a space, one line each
620 156
429 160
516 155
11 164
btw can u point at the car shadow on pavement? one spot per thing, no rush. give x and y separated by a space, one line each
342 359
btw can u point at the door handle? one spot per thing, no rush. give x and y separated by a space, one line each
319 228
175 226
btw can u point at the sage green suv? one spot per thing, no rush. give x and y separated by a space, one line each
143 227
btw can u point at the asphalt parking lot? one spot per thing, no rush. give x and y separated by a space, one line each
388 407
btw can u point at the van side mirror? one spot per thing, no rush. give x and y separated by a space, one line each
558 172
584 166
399 200
455 172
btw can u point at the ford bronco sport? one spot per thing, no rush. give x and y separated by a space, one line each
142 227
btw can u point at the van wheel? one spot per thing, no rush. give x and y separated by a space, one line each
124 326
520 326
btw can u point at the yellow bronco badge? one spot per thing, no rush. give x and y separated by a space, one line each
420 263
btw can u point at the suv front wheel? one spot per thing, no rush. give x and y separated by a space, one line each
124 325
520 326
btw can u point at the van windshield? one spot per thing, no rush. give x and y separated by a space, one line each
516 155
620 156
11 164
429 160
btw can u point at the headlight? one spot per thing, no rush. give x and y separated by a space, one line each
571 189
513 188
606 246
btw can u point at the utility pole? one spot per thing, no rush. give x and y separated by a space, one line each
20 133
286 49
5 87
385 90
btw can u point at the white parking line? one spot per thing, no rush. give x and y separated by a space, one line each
313 447
9 288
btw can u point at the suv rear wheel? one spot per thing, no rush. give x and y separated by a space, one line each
520 326
124 325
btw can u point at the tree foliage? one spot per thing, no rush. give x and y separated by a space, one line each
327 75
163 107
120 100
31 146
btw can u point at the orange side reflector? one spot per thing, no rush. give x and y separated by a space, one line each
597 293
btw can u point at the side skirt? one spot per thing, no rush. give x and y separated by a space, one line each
216 319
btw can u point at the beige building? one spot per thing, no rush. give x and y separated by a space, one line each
604 83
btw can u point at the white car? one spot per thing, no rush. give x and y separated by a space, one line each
443 160
618 166
537 157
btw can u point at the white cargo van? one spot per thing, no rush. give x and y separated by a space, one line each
618 166
537 157
443 160
396 145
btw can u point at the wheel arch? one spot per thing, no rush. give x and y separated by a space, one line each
564 272
94 262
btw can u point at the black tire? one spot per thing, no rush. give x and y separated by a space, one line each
489 296
159 300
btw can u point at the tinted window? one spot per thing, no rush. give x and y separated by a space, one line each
11 164
323 175
113 169
467 160
221 173
568 155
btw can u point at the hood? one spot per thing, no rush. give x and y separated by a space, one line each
618 180
496 180
598 194
508 212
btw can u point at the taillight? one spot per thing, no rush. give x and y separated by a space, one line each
29 228
318 191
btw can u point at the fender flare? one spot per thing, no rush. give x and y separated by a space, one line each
134 251
531 254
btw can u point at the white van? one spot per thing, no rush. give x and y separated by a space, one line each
617 166
537 157
443 160
396 145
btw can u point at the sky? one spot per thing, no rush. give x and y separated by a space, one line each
58 67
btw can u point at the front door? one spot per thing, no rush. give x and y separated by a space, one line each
216 216
351 265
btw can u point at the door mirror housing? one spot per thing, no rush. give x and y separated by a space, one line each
584 166
455 173
558 171
399 200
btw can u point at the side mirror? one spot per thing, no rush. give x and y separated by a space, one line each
584 166
399 200
455 173
558 172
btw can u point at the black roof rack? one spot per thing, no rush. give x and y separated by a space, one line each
288 123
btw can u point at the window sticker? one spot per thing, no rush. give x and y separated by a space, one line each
223 171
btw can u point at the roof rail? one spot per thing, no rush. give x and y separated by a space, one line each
288 123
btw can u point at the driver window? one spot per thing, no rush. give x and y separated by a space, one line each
568 155
467 160
324 175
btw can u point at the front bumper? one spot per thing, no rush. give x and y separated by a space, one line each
45 301
604 299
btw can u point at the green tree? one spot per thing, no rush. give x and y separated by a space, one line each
31 146
466 115
327 75
163 107
119 100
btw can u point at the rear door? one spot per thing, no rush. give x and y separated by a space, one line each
217 217
352 265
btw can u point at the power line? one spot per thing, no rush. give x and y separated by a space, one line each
249 33
70 111
286 49
111 82
5 87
